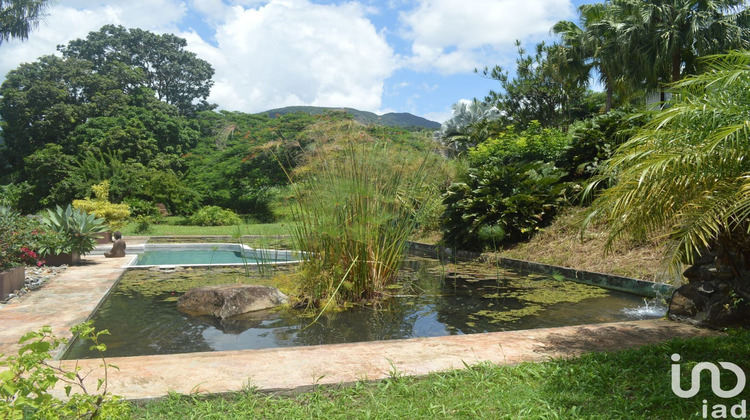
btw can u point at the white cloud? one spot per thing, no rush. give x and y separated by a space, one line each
212 9
454 36
293 52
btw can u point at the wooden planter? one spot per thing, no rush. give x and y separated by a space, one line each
11 281
62 259
105 238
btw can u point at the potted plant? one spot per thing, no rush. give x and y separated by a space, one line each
77 234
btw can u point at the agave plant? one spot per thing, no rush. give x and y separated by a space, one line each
76 226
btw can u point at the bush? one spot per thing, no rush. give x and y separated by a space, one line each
501 204
214 216
139 207
101 207
20 239
594 140
533 144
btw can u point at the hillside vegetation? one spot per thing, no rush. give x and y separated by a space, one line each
391 119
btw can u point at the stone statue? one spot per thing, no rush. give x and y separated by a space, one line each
118 247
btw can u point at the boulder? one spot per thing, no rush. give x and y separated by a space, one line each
224 301
707 304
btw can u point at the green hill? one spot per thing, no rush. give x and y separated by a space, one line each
391 119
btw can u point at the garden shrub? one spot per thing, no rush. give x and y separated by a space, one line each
214 216
21 239
101 207
139 207
501 204
594 140
512 145
509 189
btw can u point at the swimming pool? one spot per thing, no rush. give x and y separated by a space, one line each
211 254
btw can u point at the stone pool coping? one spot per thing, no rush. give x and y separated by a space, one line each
73 296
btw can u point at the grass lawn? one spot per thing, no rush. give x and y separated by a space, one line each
630 384
177 226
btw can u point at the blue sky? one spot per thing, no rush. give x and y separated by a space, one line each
412 56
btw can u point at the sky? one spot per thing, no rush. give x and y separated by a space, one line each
415 56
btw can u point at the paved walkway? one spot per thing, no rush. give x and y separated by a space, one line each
74 295
62 302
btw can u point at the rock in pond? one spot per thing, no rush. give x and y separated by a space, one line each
224 301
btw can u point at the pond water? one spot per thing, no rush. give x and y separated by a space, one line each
437 300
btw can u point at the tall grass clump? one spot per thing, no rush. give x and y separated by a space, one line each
357 202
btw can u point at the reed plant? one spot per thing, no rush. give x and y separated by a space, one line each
357 202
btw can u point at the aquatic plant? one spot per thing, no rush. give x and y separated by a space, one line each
357 203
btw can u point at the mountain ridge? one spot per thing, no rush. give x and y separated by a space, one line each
391 119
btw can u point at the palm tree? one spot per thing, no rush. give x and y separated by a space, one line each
602 43
686 173
670 35
468 126
17 17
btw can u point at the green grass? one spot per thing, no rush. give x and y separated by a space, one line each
631 384
177 226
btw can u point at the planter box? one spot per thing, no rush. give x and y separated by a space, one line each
105 238
62 259
11 281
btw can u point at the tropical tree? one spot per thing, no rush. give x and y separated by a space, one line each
535 93
177 76
665 38
469 125
596 45
18 17
686 175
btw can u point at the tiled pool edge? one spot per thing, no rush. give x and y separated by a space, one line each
607 281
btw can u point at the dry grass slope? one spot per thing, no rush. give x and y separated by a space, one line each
560 244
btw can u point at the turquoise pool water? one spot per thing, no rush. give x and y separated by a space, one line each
193 257
210 254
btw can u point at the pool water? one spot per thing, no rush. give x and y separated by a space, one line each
191 257
210 254
437 302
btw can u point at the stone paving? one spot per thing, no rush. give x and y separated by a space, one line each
74 295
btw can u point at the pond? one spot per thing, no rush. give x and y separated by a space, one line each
436 300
